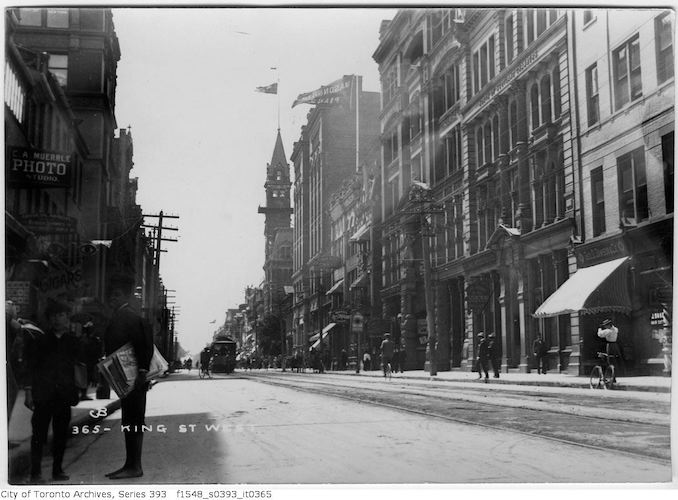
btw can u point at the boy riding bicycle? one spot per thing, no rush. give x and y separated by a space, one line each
387 349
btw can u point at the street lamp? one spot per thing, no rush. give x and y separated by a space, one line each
420 193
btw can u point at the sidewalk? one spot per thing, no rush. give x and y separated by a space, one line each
19 432
645 384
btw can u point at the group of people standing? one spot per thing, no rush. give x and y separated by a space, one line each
488 352
50 354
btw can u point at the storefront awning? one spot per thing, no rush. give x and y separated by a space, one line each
361 233
591 290
335 287
326 331
360 281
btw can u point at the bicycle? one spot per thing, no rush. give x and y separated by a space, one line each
388 371
602 377
204 372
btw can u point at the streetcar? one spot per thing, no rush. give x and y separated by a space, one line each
223 355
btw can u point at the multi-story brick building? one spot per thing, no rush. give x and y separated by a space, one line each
481 106
323 158
625 95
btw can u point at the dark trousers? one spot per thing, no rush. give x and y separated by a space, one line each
481 365
542 364
59 413
133 408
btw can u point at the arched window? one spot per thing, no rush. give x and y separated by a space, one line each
556 93
495 136
534 105
479 147
546 99
513 119
488 141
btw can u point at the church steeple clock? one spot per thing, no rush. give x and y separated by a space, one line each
278 208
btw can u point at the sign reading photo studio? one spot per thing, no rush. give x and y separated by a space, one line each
36 168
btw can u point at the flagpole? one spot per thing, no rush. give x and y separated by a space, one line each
357 123
277 80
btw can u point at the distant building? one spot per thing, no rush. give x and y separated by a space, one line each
278 235
323 158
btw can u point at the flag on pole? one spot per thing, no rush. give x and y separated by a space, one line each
336 92
269 89
213 321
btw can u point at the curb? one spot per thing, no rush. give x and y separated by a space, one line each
19 460
575 384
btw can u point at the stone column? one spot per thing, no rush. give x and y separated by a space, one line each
505 320
442 320
522 312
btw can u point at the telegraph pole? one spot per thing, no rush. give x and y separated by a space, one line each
420 194
157 235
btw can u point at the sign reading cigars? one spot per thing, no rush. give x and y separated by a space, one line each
37 168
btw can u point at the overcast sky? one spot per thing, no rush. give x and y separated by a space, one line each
203 136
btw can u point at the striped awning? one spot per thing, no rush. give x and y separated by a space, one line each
591 290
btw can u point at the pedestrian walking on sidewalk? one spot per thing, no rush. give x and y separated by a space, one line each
127 326
50 361
483 357
367 361
540 351
494 354
387 349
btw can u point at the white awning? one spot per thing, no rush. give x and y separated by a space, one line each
325 332
360 233
335 287
591 290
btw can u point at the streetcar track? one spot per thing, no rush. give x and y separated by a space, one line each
326 389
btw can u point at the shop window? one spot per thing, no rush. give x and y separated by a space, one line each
663 27
58 66
30 17
57 18
592 95
626 70
633 206
667 157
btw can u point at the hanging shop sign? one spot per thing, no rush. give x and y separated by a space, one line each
60 281
478 294
357 322
340 316
38 168
49 224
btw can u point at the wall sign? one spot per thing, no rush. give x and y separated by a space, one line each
37 168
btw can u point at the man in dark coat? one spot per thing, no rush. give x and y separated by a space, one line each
483 357
127 326
50 363
540 351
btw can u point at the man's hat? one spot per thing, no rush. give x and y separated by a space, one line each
387 334
481 335
606 322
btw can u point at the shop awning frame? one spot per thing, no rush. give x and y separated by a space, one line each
358 235
335 287
591 290
316 338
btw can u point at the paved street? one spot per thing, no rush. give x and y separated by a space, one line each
257 428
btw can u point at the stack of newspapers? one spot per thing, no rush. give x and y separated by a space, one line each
120 369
